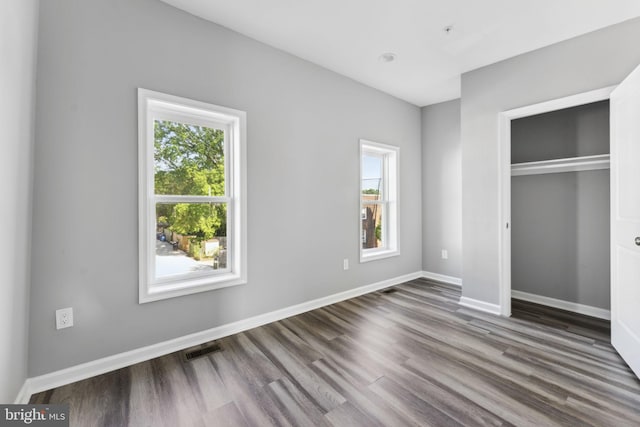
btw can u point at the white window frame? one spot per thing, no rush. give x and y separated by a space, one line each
159 106
389 202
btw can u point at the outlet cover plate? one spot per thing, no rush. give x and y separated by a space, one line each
64 318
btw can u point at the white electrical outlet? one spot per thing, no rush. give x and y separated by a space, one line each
445 254
64 318
345 263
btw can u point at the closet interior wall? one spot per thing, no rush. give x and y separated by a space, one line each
560 221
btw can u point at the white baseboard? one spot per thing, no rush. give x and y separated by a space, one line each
442 278
23 395
588 310
117 361
480 305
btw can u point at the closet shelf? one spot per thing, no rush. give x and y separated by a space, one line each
572 164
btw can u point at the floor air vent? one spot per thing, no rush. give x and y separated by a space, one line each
200 351
389 291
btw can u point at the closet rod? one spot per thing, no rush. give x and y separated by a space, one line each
572 164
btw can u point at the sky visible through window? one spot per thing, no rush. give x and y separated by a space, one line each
372 172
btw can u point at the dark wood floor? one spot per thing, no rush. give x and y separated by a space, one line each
410 357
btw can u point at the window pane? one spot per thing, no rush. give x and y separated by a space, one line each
372 174
372 226
188 159
190 237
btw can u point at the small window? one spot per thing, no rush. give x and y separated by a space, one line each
192 196
378 201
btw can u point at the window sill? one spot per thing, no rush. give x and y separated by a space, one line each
376 255
174 289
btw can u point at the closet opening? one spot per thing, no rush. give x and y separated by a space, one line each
560 204
555 209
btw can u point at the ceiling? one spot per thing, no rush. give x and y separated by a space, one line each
348 36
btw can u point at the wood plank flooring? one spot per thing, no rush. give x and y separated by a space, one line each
409 357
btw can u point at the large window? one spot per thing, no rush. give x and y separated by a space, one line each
378 200
192 196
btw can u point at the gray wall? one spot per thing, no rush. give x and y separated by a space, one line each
560 236
304 123
18 29
441 189
570 132
592 61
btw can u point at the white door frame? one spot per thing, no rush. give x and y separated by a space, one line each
504 177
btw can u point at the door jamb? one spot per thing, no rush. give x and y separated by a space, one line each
504 185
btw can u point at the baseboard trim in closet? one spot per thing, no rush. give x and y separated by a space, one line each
587 310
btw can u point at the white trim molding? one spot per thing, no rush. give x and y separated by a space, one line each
480 305
122 360
575 307
152 108
504 177
561 103
24 394
442 278
388 201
